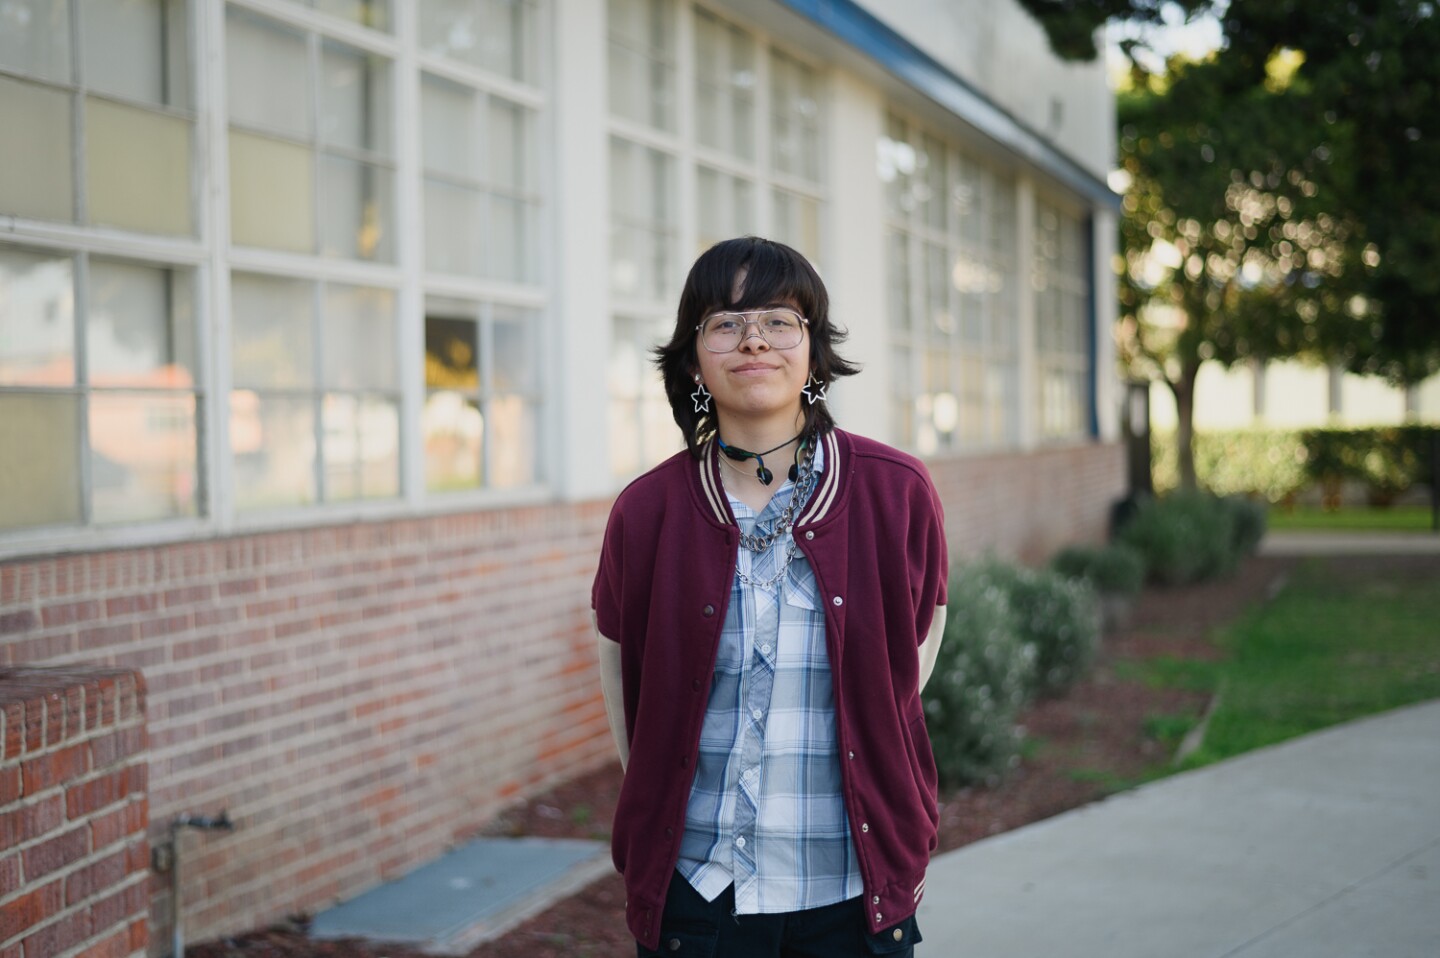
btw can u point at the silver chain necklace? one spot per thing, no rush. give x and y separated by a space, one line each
770 584
805 479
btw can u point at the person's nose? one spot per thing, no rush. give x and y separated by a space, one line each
752 340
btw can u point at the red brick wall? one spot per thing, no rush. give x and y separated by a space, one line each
1027 505
73 856
358 698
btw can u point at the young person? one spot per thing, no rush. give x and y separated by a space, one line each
768 606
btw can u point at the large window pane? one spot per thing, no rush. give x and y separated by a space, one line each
272 193
509 153
354 99
452 228
512 442
368 13
724 86
642 57
137 50
515 353
266 65
447 113
272 332
143 457
797 223
35 168
139 327
357 216
509 246
272 439
359 350
454 432
795 117
42 487
37 320
643 226
138 168
362 447
35 39
726 206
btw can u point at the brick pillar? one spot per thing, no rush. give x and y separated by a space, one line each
74 860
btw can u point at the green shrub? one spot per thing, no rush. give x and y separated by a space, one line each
981 676
1116 569
1264 462
1249 518
1060 617
1184 537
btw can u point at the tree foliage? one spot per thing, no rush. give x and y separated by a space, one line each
1353 111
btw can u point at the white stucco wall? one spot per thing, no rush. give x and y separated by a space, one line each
998 48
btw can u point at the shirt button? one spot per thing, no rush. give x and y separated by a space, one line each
809 535
673 944
740 842
765 649
708 611
838 601
865 826
756 714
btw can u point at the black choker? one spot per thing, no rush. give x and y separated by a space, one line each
763 474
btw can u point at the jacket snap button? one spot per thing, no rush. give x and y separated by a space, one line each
673 944
708 611
809 535
897 934
838 601
875 900
864 826
877 916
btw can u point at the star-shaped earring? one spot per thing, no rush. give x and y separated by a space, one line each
818 387
701 395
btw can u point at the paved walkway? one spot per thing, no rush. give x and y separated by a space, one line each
1327 846
1304 543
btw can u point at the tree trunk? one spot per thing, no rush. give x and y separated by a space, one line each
1184 392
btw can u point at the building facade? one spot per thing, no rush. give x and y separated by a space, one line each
323 350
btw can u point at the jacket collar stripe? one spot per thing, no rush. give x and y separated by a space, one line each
825 496
708 465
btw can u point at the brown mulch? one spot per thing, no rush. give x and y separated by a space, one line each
1085 744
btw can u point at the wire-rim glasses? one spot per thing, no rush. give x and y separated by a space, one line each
779 327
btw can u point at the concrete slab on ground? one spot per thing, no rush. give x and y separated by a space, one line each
1327 846
473 894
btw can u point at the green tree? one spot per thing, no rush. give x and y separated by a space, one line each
1369 79
1230 250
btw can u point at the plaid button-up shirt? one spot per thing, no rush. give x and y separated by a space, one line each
765 809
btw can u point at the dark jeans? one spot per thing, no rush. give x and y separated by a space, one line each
692 927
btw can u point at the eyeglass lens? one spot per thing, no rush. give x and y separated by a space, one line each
723 332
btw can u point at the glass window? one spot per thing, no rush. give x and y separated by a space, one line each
300 352
1062 316
796 222
311 183
368 13
35 38
642 428
131 419
951 293
643 229
135 155
795 117
724 86
480 369
495 35
642 61
727 207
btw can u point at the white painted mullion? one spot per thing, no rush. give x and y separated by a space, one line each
213 109
410 251
687 207
764 168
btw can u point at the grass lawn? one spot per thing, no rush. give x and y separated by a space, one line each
1351 518
1340 642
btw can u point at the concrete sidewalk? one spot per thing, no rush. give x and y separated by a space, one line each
1324 847
1320 543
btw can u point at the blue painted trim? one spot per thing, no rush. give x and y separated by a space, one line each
860 29
1092 338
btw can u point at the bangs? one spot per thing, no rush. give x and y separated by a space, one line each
774 273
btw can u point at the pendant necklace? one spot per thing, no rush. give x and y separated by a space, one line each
761 472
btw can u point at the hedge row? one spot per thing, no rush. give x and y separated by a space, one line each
1278 464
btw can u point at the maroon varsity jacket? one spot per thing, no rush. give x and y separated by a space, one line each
873 531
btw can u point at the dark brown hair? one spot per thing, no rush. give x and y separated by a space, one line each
773 273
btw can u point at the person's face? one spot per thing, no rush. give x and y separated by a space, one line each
756 380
